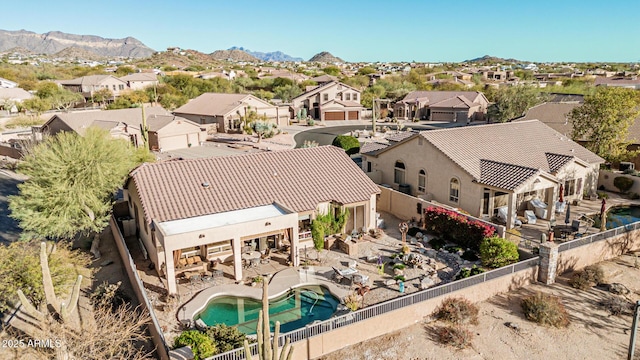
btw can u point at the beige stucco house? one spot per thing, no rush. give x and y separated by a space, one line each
218 208
88 85
453 106
331 100
140 81
485 167
166 131
222 112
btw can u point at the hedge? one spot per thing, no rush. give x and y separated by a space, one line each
457 228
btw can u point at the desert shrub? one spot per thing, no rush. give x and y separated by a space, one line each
350 144
201 345
457 310
405 249
437 243
457 227
616 305
602 195
634 196
352 302
496 252
455 336
453 248
226 338
310 122
399 277
470 255
545 309
399 266
109 296
466 272
587 277
623 183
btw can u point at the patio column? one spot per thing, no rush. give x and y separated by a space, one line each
295 244
551 201
236 244
511 207
170 271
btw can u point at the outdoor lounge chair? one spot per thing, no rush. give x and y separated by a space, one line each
264 258
530 216
539 208
338 275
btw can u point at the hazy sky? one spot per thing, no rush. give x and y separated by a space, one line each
356 30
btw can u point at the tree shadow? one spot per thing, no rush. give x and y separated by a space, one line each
9 228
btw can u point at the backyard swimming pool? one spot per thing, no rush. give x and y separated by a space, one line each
619 216
295 309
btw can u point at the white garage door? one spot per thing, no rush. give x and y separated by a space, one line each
174 142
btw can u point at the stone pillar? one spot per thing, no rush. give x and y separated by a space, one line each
172 286
236 245
548 262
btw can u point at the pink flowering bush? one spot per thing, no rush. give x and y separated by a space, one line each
457 227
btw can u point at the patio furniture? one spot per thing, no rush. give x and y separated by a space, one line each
264 258
539 208
343 274
359 279
530 216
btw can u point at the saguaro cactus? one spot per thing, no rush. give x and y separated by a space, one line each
63 309
268 349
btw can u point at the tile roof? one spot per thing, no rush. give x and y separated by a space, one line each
437 96
372 146
399 136
79 121
298 179
459 102
212 104
617 81
157 122
140 77
521 143
504 176
14 94
557 161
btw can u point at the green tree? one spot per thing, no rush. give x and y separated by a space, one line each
512 102
102 96
286 92
37 105
226 338
350 144
71 182
332 70
262 129
366 70
124 70
604 120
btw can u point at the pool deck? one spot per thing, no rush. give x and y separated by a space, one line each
280 283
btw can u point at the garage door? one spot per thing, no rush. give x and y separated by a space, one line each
174 142
334 115
442 116
354 115
193 139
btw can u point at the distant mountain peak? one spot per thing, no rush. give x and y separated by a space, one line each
55 41
326 57
268 56
233 54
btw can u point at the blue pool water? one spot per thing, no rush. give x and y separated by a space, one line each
294 310
619 216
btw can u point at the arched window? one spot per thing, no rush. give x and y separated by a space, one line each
454 190
422 181
398 173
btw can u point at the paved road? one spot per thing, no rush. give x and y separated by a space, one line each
9 230
325 135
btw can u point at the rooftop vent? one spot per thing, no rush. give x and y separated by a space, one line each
206 185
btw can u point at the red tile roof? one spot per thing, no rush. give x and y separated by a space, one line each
298 179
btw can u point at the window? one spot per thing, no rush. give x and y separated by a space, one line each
454 190
368 166
325 97
419 208
219 247
355 97
121 87
398 173
114 87
347 96
421 181
570 187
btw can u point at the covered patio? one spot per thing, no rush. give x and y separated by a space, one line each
194 246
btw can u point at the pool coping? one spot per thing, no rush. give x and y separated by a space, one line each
280 283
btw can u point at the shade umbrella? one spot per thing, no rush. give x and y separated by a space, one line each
567 218
561 193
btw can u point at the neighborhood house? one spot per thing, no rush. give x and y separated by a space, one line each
452 106
485 168
189 213
330 100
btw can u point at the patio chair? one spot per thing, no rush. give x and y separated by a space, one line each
264 258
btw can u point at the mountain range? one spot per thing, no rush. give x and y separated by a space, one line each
268 56
55 41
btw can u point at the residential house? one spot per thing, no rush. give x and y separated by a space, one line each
482 168
140 81
330 100
626 82
324 79
166 131
10 97
223 112
4 83
218 208
452 106
89 85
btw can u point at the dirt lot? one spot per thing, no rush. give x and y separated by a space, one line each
592 334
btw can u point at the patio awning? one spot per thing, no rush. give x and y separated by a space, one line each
205 222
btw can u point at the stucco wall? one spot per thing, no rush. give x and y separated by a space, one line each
607 177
